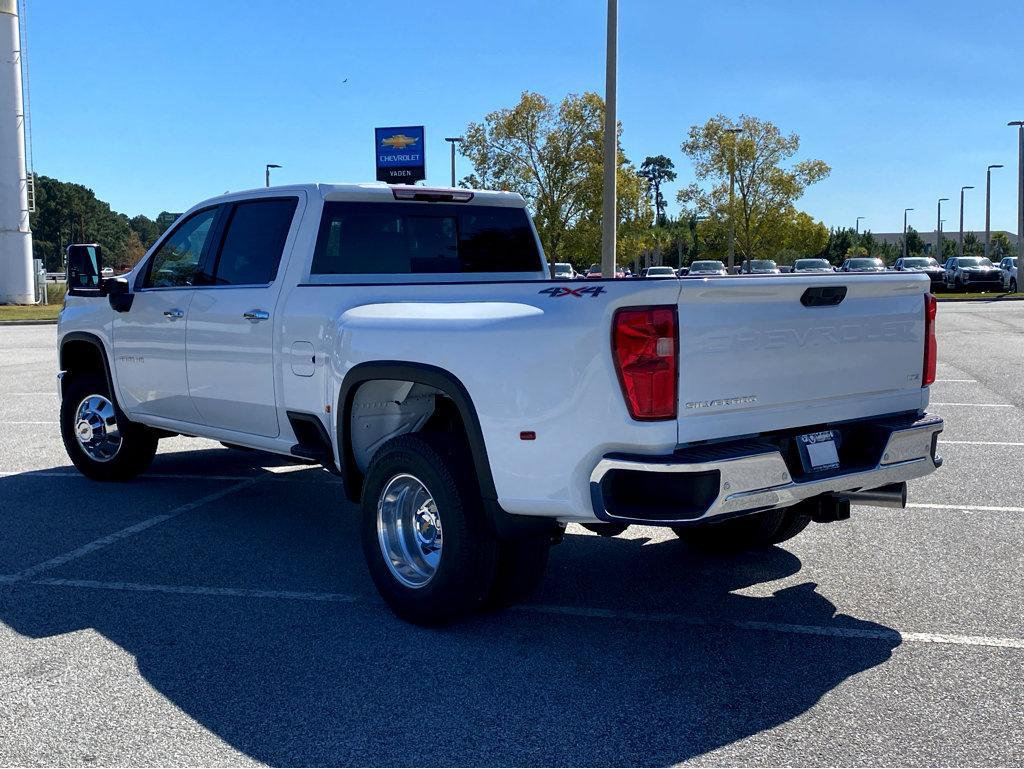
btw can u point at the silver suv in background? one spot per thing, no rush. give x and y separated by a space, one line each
707 268
863 264
964 273
813 265
1008 266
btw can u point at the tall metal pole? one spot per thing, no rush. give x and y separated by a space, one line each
988 203
17 280
732 194
453 140
938 230
905 231
1020 199
608 212
857 225
960 245
268 167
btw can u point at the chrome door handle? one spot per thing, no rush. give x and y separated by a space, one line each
173 314
256 315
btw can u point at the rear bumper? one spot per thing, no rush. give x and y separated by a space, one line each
736 477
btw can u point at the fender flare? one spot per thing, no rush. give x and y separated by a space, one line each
424 374
506 525
95 341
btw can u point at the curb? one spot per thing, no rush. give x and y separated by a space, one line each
28 322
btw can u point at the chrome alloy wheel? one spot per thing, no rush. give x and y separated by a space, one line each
96 428
409 530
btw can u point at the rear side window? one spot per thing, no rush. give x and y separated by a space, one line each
416 238
253 242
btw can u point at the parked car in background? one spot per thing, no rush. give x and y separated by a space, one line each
813 265
863 264
564 271
966 273
924 264
760 267
707 268
683 271
658 272
1008 266
594 272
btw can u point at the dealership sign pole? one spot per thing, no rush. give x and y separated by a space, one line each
399 154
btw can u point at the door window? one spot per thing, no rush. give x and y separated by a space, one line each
254 242
177 260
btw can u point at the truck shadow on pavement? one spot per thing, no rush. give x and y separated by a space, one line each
332 678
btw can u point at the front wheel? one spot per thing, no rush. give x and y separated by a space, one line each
101 442
426 541
748 532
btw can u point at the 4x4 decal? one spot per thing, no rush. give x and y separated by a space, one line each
556 291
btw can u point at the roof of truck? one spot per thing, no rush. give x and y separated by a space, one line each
379 191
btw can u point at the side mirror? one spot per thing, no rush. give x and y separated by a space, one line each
118 294
85 269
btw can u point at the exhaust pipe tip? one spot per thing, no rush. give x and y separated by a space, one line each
894 495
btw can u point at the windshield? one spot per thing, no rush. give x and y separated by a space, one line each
866 264
974 261
562 267
919 262
762 264
707 266
661 271
812 264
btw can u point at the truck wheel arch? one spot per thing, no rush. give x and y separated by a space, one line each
444 382
81 351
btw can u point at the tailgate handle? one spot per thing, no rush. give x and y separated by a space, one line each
823 296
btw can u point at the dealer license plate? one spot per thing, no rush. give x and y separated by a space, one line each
819 451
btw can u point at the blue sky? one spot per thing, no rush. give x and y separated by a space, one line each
158 105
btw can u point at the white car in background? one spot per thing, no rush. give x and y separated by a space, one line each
1008 266
564 271
707 269
658 272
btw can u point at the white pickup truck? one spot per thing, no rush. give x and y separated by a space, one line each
411 341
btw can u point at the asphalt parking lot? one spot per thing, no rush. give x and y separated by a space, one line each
217 611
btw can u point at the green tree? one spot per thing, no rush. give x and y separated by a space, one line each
1000 246
147 230
553 156
915 245
973 245
657 170
767 186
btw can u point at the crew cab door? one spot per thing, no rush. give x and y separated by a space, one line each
149 339
230 337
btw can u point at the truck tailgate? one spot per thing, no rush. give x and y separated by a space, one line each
754 358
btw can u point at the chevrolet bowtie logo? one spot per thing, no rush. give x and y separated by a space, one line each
398 141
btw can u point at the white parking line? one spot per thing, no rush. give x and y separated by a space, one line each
967 508
33 423
982 405
980 443
128 531
274 475
972 381
895 636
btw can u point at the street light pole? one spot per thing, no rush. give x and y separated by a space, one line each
732 191
938 230
267 171
608 214
857 225
988 202
453 140
1020 197
960 247
905 231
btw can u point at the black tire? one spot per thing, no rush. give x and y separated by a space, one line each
793 522
137 445
521 565
465 571
736 535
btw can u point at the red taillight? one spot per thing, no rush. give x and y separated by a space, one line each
645 344
930 350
